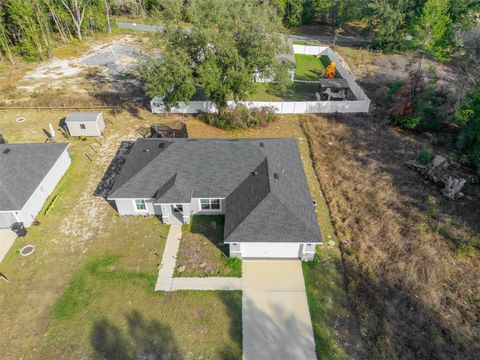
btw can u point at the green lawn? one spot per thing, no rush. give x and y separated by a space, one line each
296 92
200 254
310 67
110 309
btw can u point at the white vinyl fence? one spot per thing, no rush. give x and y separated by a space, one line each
361 104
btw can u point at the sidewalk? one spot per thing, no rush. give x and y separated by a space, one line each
166 281
169 259
209 283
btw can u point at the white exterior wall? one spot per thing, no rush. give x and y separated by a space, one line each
273 250
92 128
127 207
43 191
7 218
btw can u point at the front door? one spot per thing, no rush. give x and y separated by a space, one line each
178 208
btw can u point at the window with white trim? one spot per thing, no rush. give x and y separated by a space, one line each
140 205
82 126
210 204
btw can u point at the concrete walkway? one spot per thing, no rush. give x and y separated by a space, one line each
275 315
7 238
169 259
166 281
208 283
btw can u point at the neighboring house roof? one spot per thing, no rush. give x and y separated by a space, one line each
82 116
263 181
23 167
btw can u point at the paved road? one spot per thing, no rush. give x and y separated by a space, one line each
275 315
340 40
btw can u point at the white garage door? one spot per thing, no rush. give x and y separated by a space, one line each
270 250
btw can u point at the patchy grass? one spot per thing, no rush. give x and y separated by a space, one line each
90 261
71 50
60 291
140 322
310 67
200 254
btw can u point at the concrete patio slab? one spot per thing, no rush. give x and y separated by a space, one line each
7 238
275 314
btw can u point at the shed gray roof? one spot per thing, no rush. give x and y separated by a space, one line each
23 167
263 181
81 116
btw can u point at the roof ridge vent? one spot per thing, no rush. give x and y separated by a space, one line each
276 176
262 144
146 150
253 173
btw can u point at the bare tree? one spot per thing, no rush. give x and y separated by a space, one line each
107 11
76 9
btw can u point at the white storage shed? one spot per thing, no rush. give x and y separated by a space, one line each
85 123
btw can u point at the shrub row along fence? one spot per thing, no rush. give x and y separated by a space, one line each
360 105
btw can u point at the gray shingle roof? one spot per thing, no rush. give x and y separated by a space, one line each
263 181
22 169
82 116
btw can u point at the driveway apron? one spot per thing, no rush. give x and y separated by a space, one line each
276 318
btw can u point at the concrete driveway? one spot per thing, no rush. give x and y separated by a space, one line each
276 319
7 237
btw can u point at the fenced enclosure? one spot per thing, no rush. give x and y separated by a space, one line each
359 105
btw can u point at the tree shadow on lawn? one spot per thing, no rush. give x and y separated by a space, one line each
122 91
233 304
145 339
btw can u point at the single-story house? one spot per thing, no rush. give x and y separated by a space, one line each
85 123
29 173
258 184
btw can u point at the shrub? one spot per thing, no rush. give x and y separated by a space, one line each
426 155
469 246
409 122
432 207
392 89
468 116
235 264
241 117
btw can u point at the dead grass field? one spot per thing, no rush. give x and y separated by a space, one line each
411 257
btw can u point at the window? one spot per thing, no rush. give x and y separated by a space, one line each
140 204
210 204
82 126
215 204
